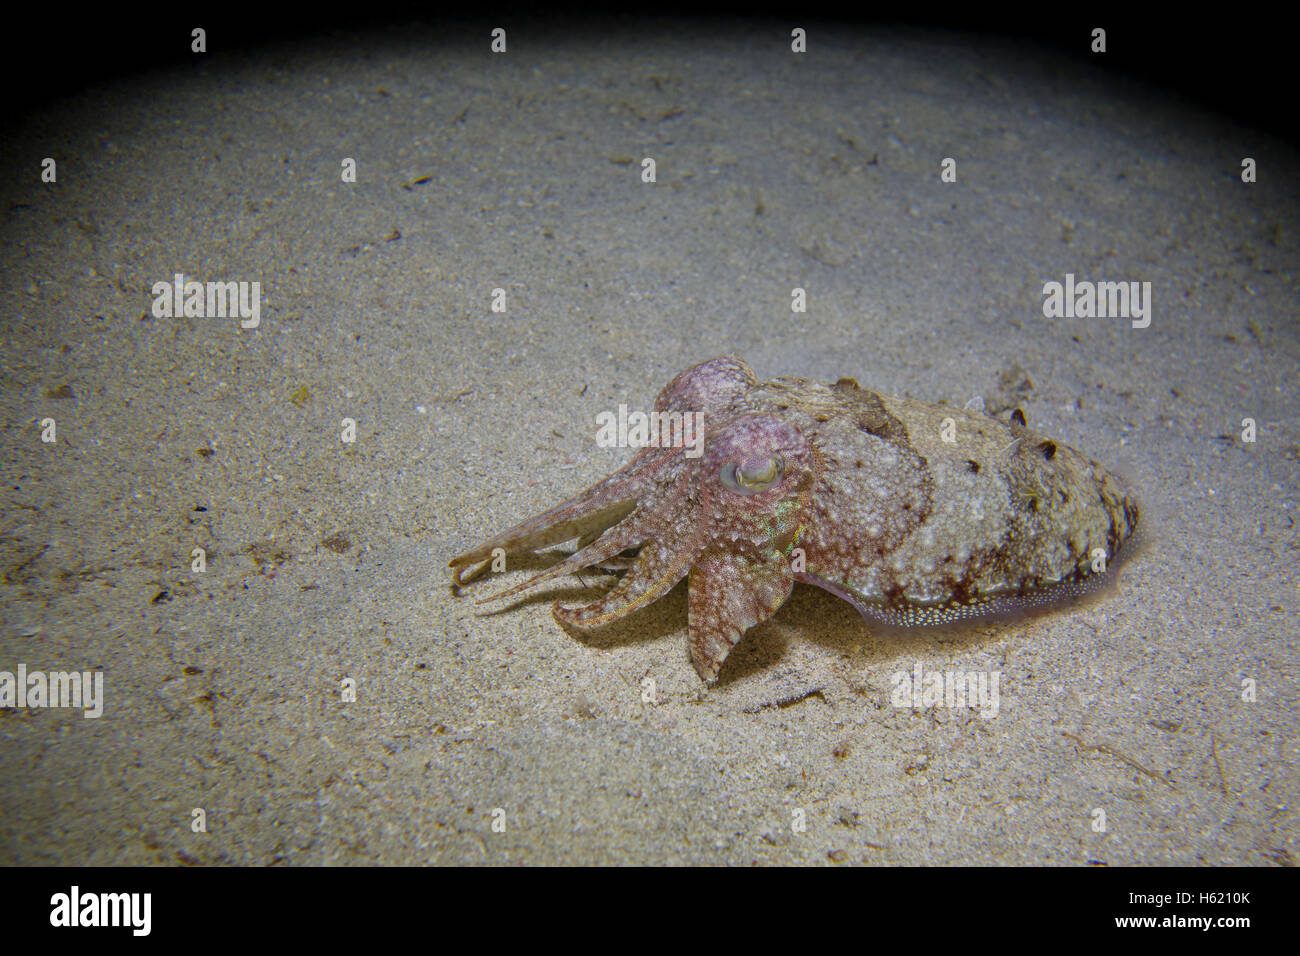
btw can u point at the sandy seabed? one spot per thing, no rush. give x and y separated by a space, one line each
326 560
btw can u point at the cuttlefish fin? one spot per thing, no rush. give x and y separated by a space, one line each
730 593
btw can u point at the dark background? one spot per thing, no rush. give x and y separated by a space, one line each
1234 62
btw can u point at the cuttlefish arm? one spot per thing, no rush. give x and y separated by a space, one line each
728 519
707 389
583 516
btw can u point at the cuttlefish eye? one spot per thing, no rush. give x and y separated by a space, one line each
752 475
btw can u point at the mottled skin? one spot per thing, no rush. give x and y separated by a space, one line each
840 487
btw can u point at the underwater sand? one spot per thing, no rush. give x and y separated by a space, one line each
327 560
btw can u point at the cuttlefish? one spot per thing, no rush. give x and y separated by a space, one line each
917 514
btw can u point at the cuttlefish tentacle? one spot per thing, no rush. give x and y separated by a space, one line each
729 519
656 570
731 527
656 517
585 515
616 539
660 516
708 389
